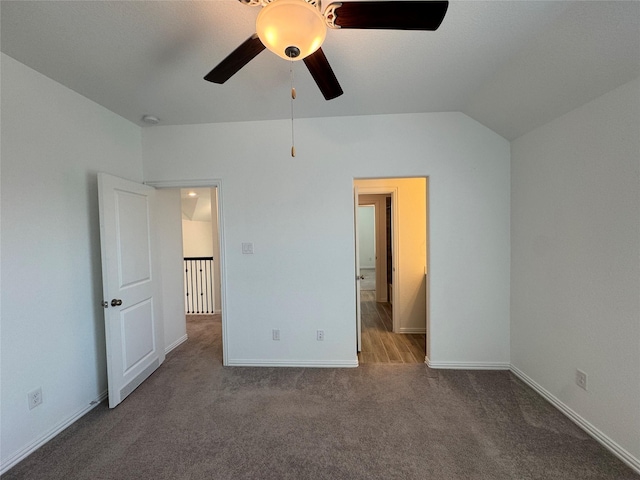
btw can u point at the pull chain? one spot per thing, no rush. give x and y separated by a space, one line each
293 97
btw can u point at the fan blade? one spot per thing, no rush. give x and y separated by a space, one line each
322 73
237 59
401 15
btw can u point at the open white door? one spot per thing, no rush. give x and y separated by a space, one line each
133 321
358 276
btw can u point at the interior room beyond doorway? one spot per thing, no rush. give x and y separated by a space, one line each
200 241
393 277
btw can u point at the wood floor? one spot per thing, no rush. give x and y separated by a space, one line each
379 343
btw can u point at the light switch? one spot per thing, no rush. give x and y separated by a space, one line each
247 248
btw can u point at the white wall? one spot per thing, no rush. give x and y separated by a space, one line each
298 212
366 236
576 261
197 238
54 141
169 244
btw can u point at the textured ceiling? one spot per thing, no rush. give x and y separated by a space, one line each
511 65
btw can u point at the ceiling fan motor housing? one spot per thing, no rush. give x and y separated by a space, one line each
292 52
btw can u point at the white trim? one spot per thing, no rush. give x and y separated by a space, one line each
416 330
241 362
217 183
175 344
36 444
588 427
182 183
468 365
356 264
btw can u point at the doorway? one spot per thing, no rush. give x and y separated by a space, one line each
201 265
200 243
176 253
394 314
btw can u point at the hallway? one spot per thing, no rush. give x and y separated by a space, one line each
379 343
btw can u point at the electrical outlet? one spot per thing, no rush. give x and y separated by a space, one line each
35 398
275 334
320 335
581 379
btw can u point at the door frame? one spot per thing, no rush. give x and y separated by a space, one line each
209 183
356 207
393 192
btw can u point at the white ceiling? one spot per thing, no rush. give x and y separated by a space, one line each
196 208
511 65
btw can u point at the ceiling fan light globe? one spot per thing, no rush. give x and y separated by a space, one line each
291 23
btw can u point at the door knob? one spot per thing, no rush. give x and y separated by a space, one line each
116 302
360 277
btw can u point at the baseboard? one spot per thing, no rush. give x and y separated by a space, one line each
414 330
36 444
293 363
599 436
175 344
594 432
467 365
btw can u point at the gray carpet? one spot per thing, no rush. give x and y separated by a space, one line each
194 419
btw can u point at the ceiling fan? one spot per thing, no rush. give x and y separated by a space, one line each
295 30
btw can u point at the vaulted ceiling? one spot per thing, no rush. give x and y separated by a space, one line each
511 65
196 204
